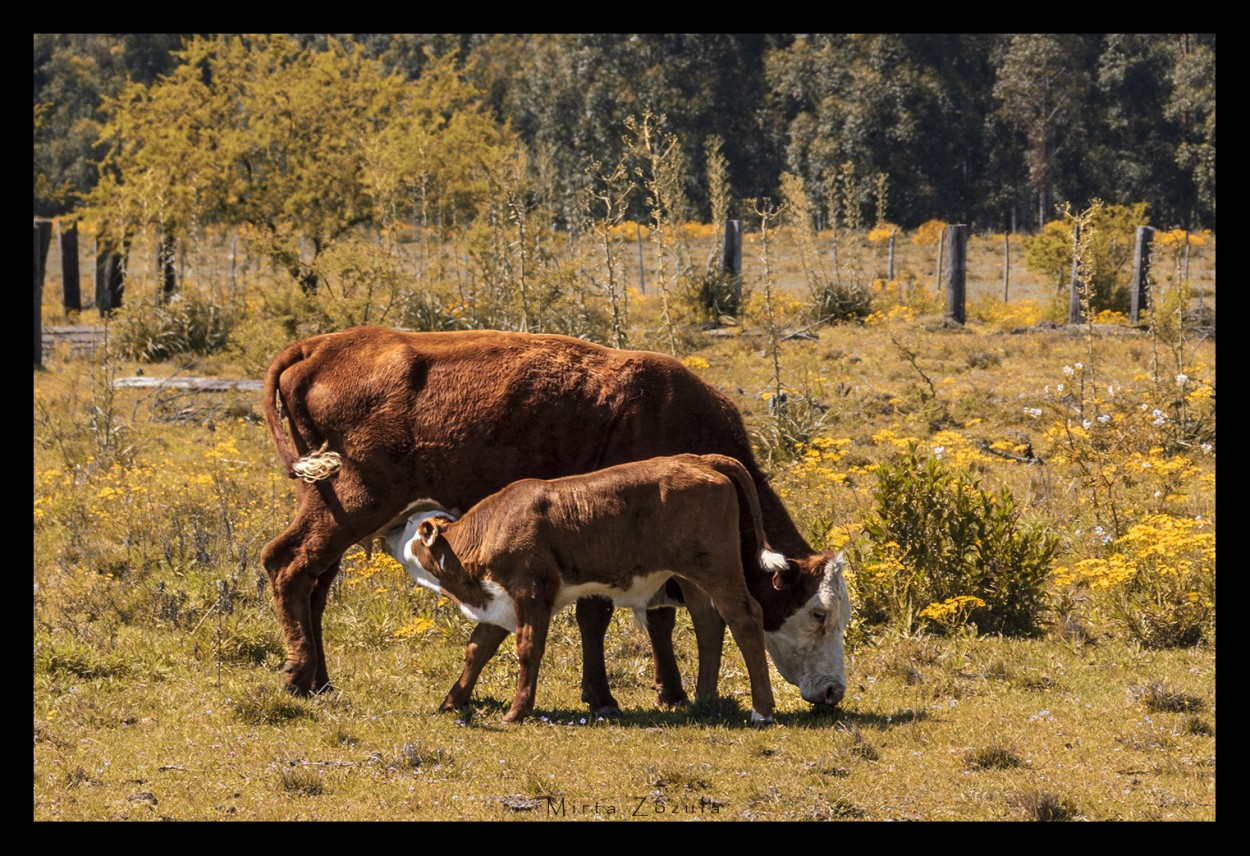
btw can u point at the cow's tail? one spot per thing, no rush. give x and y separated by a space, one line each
770 560
314 466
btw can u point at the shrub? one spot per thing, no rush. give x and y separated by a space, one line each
1112 234
187 324
935 535
1157 581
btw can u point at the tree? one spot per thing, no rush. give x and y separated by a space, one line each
288 141
1040 89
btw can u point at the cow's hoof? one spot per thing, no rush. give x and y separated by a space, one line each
668 698
513 719
606 711
759 720
294 684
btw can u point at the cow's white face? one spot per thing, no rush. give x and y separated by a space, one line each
807 648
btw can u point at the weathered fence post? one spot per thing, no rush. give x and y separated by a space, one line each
166 251
956 272
43 237
1006 263
642 275
889 267
110 279
71 289
1074 288
1141 272
731 258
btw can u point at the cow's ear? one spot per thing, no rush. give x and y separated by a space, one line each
427 532
787 576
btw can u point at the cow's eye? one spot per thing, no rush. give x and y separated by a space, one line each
819 616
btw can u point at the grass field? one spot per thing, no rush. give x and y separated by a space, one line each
156 648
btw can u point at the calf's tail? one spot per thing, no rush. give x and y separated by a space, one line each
770 560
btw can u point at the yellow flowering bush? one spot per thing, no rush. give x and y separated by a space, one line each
928 233
881 233
1157 580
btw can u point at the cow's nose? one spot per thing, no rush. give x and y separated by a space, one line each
834 693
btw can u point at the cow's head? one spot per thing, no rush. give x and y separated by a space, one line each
807 647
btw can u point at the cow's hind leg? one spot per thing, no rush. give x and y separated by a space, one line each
483 643
301 563
660 624
709 634
321 591
594 614
293 571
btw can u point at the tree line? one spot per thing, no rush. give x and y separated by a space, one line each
331 131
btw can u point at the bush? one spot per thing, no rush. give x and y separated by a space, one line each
187 324
935 536
1112 235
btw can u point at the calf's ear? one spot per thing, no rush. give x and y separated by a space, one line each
427 532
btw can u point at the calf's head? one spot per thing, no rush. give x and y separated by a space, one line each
807 647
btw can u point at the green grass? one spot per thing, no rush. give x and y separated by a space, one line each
156 650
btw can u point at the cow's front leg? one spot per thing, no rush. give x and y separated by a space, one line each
531 641
660 624
483 643
594 614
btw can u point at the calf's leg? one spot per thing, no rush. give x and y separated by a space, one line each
483 643
709 634
533 621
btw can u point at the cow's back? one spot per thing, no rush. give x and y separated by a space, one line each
458 415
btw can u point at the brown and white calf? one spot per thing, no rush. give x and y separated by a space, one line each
536 546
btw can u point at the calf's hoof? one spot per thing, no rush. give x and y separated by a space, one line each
760 720
606 711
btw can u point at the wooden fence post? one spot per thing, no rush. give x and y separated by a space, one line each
956 272
43 237
1074 290
642 275
1006 263
71 289
731 258
889 267
166 251
1141 272
110 279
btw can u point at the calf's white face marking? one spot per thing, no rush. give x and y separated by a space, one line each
498 610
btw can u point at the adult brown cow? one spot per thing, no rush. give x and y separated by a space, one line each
525 552
379 418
